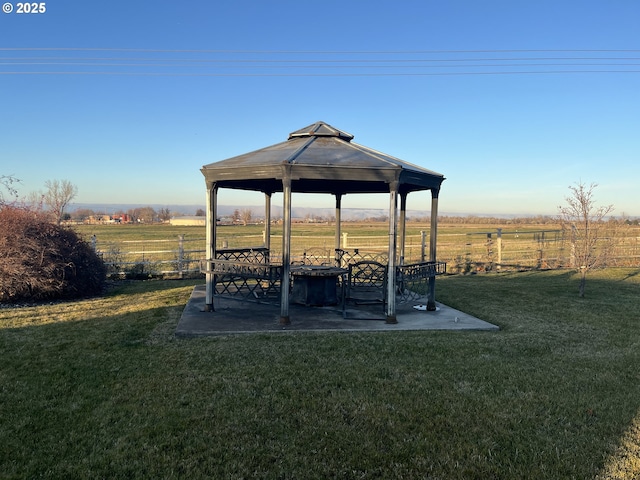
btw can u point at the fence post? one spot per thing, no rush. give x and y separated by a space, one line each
499 247
541 250
180 255
423 244
572 258
344 240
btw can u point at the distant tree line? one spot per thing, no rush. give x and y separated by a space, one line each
468 219
486 220
133 215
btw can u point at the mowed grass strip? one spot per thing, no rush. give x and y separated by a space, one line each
101 389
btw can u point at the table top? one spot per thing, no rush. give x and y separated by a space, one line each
317 271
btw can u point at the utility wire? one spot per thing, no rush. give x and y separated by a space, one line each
295 61
274 65
430 74
393 52
102 64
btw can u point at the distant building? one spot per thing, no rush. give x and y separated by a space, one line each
189 220
122 218
108 219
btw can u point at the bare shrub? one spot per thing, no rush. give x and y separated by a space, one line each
40 260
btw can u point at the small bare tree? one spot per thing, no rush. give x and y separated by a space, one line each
584 222
164 214
34 201
7 181
144 214
58 195
246 216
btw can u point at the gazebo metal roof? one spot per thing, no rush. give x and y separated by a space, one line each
320 159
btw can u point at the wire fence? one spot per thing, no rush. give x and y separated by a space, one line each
463 252
176 257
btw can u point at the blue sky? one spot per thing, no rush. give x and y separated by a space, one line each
128 100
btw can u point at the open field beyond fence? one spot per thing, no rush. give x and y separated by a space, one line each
101 388
140 250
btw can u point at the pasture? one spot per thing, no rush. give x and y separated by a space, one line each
464 248
100 388
322 230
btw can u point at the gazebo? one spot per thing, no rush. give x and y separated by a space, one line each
317 159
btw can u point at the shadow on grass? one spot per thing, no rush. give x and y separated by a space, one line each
631 275
135 287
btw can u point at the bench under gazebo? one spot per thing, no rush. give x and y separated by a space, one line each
319 159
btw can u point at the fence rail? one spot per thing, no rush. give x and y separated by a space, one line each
463 252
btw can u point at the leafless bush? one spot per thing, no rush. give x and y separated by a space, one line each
40 260
584 221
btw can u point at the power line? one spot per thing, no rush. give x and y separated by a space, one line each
273 65
305 51
294 61
102 64
430 74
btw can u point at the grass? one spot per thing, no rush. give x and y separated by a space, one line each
121 233
358 229
101 388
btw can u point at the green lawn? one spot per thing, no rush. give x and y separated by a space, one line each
101 389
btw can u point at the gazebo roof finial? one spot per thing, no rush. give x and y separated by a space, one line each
321 129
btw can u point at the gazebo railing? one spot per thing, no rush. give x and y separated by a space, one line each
245 280
247 274
368 280
250 255
412 279
344 258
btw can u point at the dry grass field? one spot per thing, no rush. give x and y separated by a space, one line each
465 248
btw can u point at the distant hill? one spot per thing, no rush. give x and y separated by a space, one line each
257 211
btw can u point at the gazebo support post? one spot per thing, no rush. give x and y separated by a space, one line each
212 213
338 220
403 225
267 222
433 234
286 250
391 268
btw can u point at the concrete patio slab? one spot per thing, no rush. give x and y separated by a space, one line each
234 316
